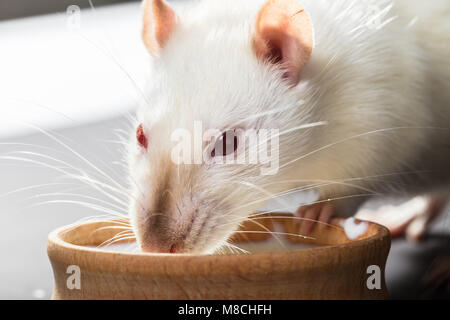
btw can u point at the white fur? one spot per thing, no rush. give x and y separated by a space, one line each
382 92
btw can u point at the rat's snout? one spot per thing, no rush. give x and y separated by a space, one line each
161 243
170 230
161 239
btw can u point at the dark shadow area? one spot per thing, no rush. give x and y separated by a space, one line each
419 270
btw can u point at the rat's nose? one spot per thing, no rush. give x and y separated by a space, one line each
158 246
173 248
159 238
169 232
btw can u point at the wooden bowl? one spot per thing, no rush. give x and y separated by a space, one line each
337 268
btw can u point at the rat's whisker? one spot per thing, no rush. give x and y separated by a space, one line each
79 156
356 136
262 190
260 216
258 224
343 197
350 179
29 145
113 220
121 143
235 247
119 236
300 127
300 189
113 227
40 105
110 228
68 165
279 195
263 215
122 233
57 194
267 113
44 185
110 242
100 186
109 54
83 178
81 203
329 182
278 233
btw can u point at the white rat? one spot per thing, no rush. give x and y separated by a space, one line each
375 74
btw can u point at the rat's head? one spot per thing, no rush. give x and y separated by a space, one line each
222 76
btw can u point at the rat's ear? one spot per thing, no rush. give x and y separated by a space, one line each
159 23
284 34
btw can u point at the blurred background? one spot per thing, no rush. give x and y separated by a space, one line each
71 74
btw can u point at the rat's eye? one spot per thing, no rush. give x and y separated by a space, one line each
225 145
141 138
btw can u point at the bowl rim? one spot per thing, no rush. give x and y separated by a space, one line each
153 263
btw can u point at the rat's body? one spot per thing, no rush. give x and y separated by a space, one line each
382 91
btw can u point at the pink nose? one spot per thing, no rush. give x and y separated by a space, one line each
173 248
168 232
161 248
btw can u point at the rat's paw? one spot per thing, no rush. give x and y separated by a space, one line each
410 218
320 213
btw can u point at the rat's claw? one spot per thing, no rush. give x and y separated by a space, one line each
320 213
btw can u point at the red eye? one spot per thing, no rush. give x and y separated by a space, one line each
141 138
225 145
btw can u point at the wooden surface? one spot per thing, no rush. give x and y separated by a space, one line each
335 270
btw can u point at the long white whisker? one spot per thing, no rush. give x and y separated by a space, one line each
120 209
300 127
110 242
79 156
93 183
355 137
262 215
35 187
278 233
230 245
83 204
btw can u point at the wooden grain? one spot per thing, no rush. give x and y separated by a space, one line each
336 270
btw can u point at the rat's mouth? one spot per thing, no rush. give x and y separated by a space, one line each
201 236
173 249
165 234
187 226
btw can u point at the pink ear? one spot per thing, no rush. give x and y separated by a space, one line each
159 23
284 34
